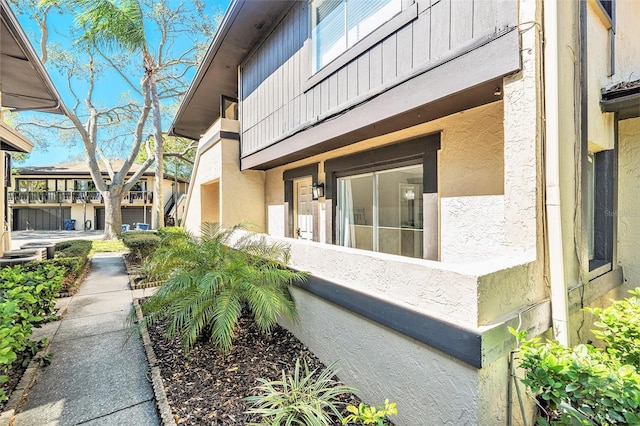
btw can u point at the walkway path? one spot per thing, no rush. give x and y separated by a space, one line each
98 374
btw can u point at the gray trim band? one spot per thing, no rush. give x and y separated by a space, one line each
454 340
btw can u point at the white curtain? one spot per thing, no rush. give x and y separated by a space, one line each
345 213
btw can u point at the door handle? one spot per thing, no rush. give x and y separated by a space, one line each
298 232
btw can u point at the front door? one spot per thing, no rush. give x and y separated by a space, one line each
303 214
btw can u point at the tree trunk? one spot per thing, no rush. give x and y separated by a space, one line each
158 151
112 215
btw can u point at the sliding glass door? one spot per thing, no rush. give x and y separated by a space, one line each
382 211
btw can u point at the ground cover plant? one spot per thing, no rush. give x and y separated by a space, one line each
586 384
27 299
206 387
213 328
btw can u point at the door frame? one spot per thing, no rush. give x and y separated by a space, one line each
296 224
289 176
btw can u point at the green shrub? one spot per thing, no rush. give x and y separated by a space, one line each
619 328
209 284
27 298
585 378
141 243
74 248
72 267
168 231
584 384
42 283
304 398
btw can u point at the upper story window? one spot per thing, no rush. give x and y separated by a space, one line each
336 25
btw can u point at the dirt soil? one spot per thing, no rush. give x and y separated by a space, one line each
205 388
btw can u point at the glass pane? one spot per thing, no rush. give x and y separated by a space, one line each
400 214
363 17
355 211
329 39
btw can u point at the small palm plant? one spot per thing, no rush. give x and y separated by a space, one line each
210 280
304 398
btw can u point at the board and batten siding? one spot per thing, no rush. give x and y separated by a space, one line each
277 99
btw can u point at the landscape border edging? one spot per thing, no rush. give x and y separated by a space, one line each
160 396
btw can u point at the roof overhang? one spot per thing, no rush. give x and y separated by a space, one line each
24 82
11 140
624 98
245 24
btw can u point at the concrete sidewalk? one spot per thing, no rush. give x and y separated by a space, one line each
98 374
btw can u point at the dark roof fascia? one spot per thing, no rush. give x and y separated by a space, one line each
13 26
626 106
623 99
228 38
207 60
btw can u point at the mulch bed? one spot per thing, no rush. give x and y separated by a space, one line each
205 388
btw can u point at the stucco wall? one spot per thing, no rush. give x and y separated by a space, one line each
600 124
241 194
207 169
472 228
628 213
429 387
470 166
567 131
627 46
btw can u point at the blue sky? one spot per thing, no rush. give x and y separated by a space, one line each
109 88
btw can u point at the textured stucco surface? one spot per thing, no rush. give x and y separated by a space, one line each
628 214
462 240
521 144
430 387
627 46
207 170
600 125
241 194
470 163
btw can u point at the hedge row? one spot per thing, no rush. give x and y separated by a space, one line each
27 298
141 243
73 248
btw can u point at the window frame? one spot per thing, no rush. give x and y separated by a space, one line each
408 13
421 150
604 213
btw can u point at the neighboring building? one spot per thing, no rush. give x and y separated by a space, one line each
45 197
439 173
24 85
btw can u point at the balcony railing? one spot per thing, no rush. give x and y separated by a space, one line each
70 197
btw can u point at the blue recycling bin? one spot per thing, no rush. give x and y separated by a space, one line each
142 226
69 224
125 228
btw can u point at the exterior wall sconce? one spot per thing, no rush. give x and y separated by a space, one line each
317 191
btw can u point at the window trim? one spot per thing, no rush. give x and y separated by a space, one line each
421 150
604 213
608 18
403 18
